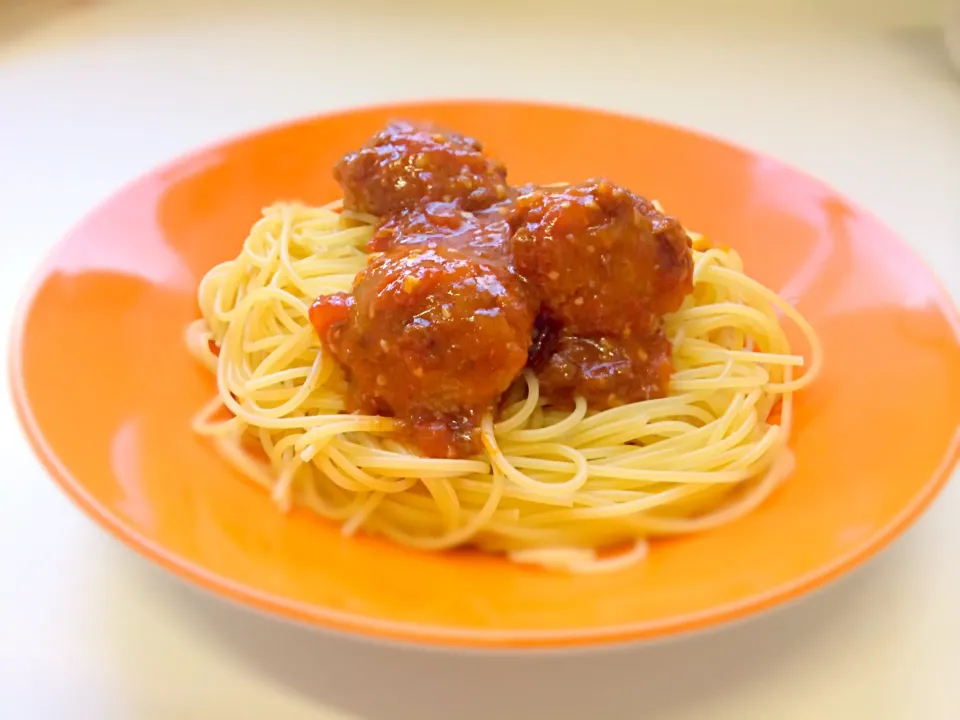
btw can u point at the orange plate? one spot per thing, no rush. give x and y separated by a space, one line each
106 389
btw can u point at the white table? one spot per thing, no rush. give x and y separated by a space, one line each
857 92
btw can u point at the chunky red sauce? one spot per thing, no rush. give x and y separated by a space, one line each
484 234
475 280
607 370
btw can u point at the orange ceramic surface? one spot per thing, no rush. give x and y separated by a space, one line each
106 389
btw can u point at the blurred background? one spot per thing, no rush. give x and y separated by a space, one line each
860 93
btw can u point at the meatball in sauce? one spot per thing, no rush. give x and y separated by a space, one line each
432 337
406 164
603 261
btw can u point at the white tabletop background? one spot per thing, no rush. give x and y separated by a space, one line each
857 92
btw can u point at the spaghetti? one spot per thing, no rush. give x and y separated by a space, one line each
557 488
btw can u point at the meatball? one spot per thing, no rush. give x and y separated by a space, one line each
484 234
432 337
405 164
606 371
604 261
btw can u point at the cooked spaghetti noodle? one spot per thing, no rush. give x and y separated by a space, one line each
551 487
